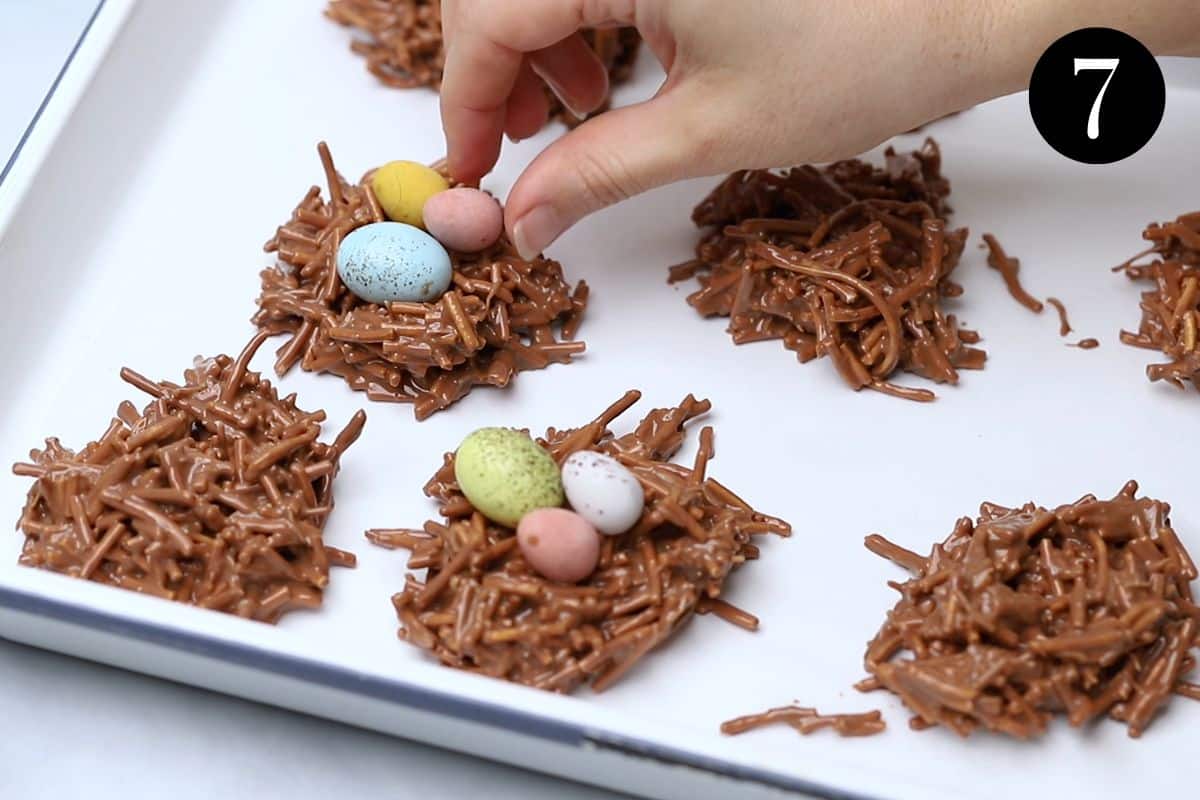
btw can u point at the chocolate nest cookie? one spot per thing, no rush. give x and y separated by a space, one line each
849 262
1082 611
481 607
502 314
402 44
216 494
1171 309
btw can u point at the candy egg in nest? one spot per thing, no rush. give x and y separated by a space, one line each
390 262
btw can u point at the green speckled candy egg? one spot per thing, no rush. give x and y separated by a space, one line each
505 474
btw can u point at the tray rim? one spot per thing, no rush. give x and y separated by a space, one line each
394 691
21 167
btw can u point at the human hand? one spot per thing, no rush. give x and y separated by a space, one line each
754 84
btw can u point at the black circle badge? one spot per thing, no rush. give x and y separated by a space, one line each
1097 95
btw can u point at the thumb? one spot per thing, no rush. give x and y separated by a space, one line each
610 158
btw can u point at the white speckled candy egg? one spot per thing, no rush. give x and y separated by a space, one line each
603 491
391 261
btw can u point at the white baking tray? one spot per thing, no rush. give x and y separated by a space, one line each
42 104
139 244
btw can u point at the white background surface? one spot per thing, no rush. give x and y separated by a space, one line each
73 728
189 122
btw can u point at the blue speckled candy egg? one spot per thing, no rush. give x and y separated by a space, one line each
391 261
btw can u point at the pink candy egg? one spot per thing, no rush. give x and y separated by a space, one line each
559 544
466 220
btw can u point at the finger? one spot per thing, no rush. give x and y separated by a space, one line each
574 73
448 15
531 25
528 109
479 77
610 158
483 60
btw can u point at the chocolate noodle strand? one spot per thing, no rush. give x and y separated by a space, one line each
1009 268
1064 325
808 720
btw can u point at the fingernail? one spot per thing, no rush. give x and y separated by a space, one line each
575 109
561 93
535 231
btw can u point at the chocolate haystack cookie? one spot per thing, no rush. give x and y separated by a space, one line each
849 262
482 608
403 45
502 314
215 495
1171 310
1083 611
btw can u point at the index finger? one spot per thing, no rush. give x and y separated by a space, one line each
484 59
478 79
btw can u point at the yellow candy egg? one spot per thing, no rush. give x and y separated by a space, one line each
402 187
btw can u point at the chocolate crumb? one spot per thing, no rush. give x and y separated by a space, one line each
1084 611
403 45
1171 310
1064 325
481 608
502 314
849 262
808 720
866 685
1009 268
215 495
